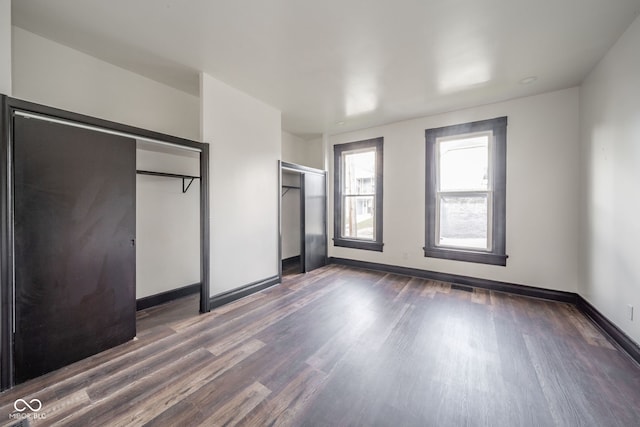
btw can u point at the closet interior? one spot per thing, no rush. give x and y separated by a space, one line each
291 222
167 224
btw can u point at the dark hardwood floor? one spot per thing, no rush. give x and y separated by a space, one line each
168 313
349 347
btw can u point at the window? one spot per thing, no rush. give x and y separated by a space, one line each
357 206
465 192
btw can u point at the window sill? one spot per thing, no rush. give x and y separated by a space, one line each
467 256
358 244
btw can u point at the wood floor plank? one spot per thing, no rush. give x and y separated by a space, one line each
412 289
277 297
187 385
342 346
394 284
183 414
238 407
329 354
250 330
209 399
104 387
79 371
567 403
288 406
480 296
312 278
239 303
588 330
136 393
523 393
115 367
465 368
168 313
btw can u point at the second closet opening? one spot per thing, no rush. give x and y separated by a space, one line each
303 218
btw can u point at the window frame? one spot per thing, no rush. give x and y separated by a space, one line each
496 193
338 167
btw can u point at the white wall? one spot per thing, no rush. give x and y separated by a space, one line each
315 153
5 47
293 149
245 138
167 221
290 209
55 75
610 160
302 152
542 188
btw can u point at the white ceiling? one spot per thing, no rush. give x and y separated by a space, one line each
360 62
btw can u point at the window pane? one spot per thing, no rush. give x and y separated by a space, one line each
463 221
359 217
359 172
464 163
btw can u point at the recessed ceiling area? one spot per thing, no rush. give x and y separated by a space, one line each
358 63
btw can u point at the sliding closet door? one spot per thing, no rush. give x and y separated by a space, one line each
74 254
315 218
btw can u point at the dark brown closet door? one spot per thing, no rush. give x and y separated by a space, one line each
74 248
315 220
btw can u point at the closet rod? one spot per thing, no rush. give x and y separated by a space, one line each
103 130
172 175
168 175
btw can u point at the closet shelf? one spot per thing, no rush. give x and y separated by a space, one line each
185 178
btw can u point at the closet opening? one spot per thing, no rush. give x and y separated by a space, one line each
167 234
72 247
292 223
303 219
